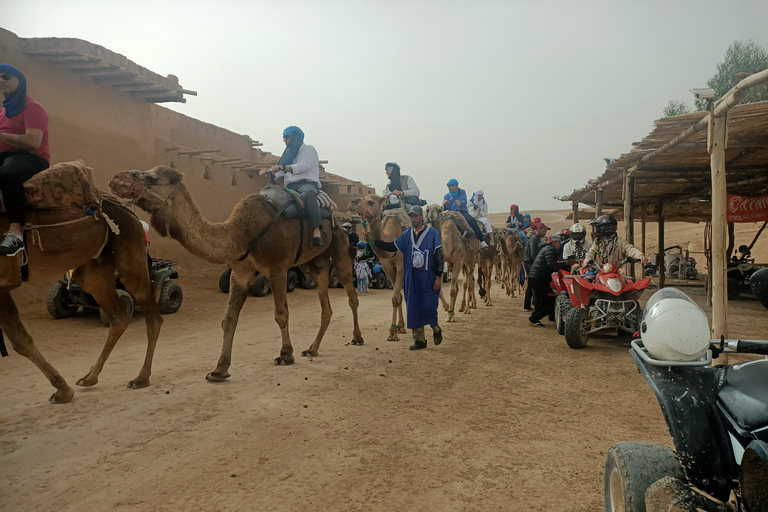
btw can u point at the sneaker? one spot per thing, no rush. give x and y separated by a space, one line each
537 323
483 245
528 310
12 244
437 337
418 345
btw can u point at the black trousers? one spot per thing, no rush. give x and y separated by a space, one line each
545 303
529 290
16 167
308 191
473 224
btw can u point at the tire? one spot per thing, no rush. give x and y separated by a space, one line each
128 304
224 281
387 282
260 287
631 468
333 278
378 281
58 304
293 280
562 306
307 282
171 297
734 288
573 323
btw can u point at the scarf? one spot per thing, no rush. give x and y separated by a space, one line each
292 149
14 103
605 246
477 202
454 195
394 177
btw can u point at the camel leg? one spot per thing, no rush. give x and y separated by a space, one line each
22 343
321 278
97 277
488 301
346 278
142 290
278 281
238 292
400 317
446 306
454 293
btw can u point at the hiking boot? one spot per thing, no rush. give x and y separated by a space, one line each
418 345
483 245
12 244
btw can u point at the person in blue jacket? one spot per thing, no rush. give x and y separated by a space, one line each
456 201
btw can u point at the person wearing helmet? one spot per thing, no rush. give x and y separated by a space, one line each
577 246
362 270
479 210
401 190
608 247
349 229
456 201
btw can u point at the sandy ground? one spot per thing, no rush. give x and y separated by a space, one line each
501 416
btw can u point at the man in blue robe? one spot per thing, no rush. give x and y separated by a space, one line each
423 259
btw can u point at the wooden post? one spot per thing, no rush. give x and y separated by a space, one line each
719 229
642 229
731 241
629 214
598 203
661 245
575 212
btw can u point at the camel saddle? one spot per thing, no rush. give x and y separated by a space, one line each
461 223
398 213
279 197
63 185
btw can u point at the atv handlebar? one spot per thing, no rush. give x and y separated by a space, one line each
741 346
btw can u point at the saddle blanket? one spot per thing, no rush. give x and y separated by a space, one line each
62 185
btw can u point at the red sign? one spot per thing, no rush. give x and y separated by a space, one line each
747 209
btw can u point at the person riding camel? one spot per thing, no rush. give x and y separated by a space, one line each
480 211
300 166
517 221
24 151
608 247
456 201
401 190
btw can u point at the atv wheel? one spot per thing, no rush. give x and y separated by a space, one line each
378 281
58 304
170 297
128 305
224 281
260 287
562 306
333 278
307 282
631 468
387 282
734 288
293 280
576 328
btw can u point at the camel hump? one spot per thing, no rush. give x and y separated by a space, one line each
62 185
278 196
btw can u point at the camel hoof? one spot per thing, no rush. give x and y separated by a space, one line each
62 397
402 330
87 382
217 376
283 360
358 341
393 337
138 383
309 353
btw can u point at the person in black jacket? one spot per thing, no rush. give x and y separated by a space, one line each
531 250
541 275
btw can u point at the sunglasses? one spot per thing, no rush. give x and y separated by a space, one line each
6 76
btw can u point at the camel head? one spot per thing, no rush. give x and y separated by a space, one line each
499 234
433 214
368 207
151 190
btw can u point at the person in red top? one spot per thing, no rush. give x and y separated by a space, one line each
23 150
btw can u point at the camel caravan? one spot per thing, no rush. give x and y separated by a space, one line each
73 226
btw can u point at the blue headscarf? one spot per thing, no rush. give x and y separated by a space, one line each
14 103
292 149
454 195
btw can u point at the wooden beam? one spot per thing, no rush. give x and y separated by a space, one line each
629 213
199 151
660 261
598 202
226 160
172 147
719 231
643 213
732 144
575 212
731 241
111 70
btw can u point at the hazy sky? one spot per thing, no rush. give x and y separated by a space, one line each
521 99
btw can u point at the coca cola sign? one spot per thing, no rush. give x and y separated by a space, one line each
747 209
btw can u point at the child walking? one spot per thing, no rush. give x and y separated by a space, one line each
363 272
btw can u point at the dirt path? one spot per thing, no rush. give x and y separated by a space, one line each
501 416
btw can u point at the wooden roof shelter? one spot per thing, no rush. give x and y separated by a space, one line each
685 169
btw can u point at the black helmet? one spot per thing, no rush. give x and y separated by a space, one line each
604 225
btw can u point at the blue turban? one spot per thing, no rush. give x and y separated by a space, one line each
453 182
14 103
292 149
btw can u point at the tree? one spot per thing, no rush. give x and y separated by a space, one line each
741 57
676 108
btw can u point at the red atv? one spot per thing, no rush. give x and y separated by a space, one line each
605 300
561 285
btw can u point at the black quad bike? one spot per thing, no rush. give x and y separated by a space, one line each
740 270
296 277
718 419
66 296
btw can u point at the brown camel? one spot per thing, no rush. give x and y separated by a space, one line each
459 253
95 252
512 251
160 192
485 261
392 226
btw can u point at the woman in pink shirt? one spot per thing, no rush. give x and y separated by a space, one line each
23 150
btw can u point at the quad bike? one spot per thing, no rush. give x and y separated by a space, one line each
717 417
296 277
740 270
66 296
759 285
675 264
560 285
607 300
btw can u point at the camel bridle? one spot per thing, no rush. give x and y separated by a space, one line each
167 200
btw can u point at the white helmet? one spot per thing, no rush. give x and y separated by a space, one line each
674 328
347 226
578 232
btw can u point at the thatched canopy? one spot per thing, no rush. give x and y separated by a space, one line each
681 176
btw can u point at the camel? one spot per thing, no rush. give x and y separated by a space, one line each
459 253
95 251
161 193
485 262
392 226
512 251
